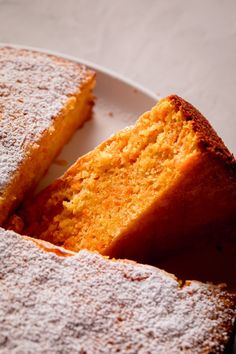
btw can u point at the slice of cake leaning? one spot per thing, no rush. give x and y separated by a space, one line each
43 100
90 304
149 188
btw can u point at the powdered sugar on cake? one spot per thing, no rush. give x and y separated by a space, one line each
34 87
86 303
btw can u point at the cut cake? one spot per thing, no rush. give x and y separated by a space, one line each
89 304
43 100
166 180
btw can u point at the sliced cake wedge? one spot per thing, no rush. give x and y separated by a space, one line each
151 187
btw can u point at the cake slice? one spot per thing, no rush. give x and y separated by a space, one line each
43 100
149 188
90 304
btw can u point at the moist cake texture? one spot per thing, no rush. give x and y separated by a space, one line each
89 304
143 191
43 99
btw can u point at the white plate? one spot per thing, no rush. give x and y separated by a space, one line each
118 104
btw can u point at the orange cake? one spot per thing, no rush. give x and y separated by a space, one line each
89 304
43 100
145 190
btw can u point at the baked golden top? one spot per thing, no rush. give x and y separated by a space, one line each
34 89
87 303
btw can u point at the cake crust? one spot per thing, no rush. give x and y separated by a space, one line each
208 139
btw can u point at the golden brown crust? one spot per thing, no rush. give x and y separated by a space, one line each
49 247
208 138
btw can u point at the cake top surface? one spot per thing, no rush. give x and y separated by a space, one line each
87 303
34 88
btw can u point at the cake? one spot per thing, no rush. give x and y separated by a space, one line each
161 183
43 100
86 303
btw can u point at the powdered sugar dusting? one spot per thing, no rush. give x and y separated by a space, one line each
86 303
34 87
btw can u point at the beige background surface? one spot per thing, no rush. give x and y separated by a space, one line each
186 47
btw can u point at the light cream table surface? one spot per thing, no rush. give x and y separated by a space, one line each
186 47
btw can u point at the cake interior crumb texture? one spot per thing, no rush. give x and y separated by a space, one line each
89 304
43 100
148 188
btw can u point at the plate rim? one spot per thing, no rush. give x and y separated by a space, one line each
97 67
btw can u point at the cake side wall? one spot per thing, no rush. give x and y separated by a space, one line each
202 198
